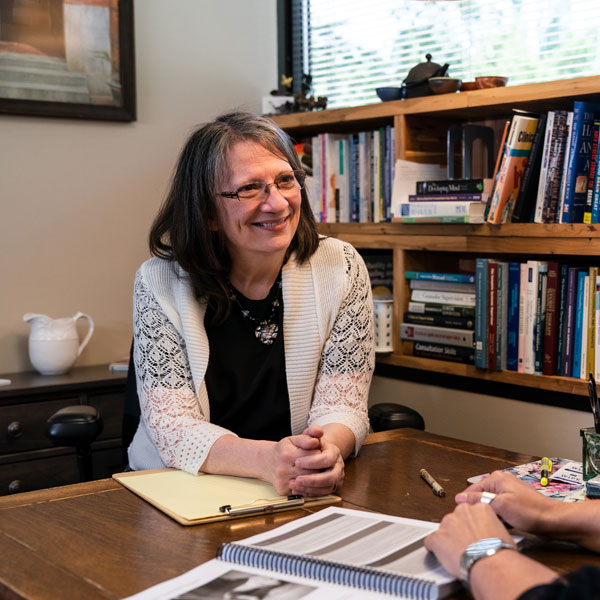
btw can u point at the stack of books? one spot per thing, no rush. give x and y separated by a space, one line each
546 170
538 317
445 201
440 322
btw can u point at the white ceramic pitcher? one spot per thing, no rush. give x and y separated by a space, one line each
54 343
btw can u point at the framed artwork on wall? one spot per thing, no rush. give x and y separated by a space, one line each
67 58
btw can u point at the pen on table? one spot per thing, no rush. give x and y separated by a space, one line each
438 490
545 469
593 394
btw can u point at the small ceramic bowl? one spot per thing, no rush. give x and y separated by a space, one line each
389 93
444 85
469 86
491 82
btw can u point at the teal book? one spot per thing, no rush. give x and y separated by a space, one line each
578 324
481 312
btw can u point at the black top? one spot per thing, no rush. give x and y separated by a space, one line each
583 584
245 379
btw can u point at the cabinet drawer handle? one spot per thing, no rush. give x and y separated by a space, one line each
14 487
15 429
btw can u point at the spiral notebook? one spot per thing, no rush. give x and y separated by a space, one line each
203 498
333 553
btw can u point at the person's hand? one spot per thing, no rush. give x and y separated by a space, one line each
323 472
516 502
282 464
467 524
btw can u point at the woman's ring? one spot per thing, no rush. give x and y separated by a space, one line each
487 497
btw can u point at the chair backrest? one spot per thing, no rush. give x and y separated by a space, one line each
131 411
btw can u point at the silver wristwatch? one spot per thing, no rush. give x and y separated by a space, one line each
477 550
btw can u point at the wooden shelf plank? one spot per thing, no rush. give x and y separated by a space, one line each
461 105
564 385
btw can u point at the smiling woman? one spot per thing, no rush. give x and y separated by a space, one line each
253 336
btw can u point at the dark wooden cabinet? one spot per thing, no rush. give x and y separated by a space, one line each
28 459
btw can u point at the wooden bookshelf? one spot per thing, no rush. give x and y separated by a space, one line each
421 126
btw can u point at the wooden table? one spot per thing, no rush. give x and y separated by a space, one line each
98 540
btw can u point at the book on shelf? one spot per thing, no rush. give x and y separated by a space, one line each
596 370
512 317
583 372
591 324
442 209
492 298
443 286
427 276
439 352
551 323
546 207
589 197
595 211
531 294
438 335
526 198
579 160
439 320
433 308
501 153
481 312
334 554
540 317
581 317
569 323
462 197
563 177
443 187
467 219
501 318
562 304
441 297
522 313
510 173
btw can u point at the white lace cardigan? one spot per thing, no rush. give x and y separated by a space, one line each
329 354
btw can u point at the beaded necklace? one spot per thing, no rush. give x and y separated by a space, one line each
266 329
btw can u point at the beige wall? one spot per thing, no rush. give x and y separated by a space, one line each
519 426
77 197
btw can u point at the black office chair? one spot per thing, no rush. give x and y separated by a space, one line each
131 412
77 426
388 415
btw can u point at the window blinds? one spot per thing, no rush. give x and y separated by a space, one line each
351 46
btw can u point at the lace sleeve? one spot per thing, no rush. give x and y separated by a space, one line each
348 359
168 402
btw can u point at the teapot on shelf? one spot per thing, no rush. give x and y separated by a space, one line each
54 343
417 81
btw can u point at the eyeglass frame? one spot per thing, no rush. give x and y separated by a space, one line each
297 173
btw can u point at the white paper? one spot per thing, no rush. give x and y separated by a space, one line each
572 472
217 579
406 175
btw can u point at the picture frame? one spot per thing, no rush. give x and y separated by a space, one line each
68 59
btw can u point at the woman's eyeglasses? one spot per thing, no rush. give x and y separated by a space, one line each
288 183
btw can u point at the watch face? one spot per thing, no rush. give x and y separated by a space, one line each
477 550
482 546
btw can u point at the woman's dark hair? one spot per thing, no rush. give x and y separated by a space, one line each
181 231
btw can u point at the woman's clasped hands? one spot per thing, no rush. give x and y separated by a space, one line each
308 464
